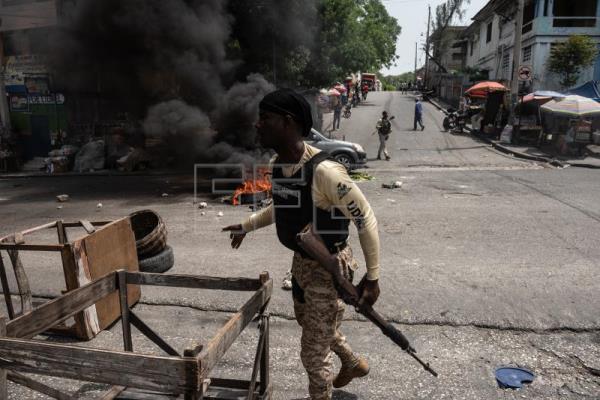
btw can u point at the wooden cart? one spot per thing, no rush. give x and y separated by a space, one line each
108 246
177 374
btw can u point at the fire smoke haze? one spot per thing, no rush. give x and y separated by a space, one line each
165 62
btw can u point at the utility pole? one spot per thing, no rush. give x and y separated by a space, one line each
4 109
416 53
426 78
514 89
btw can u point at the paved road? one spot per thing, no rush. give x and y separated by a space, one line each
476 246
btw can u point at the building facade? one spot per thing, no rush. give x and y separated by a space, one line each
490 38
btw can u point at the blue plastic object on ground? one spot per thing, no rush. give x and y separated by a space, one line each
513 377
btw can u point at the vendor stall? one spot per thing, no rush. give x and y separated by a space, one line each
495 115
571 123
527 126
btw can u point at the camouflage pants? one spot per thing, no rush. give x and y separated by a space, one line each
383 146
319 312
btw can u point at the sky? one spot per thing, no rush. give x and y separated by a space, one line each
412 17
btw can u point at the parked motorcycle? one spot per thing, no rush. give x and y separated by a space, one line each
347 111
454 121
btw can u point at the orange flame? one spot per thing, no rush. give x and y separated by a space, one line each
262 184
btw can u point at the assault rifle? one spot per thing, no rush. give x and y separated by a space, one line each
312 244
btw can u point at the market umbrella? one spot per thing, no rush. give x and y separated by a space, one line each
334 92
340 88
574 106
483 88
543 96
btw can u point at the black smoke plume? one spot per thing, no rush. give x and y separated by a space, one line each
165 62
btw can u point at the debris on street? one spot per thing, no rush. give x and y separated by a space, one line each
99 205
62 198
395 185
513 377
220 214
202 205
361 176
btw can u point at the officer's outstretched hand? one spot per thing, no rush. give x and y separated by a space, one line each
369 291
236 235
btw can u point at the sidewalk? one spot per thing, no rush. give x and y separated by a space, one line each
534 153
591 160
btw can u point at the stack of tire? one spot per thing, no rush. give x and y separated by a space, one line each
154 255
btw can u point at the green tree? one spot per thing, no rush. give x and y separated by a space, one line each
311 43
568 59
355 35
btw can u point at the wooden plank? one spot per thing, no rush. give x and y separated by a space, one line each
194 282
220 343
163 374
39 228
113 393
265 373
6 290
32 384
83 329
140 394
126 325
257 362
18 238
31 247
22 281
109 249
78 224
89 228
57 310
3 382
150 334
62 232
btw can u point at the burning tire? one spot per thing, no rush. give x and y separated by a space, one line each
159 263
150 233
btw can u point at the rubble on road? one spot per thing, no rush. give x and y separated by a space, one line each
61 198
395 185
361 176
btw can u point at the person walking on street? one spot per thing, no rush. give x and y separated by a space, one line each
383 129
337 115
418 114
310 187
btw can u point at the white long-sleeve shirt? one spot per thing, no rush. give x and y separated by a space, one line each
333 187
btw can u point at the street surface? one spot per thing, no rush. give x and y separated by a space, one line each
487 260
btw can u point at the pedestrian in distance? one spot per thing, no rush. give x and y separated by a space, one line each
383 129
310 187
337 115
418 114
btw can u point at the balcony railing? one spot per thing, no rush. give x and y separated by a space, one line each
574 22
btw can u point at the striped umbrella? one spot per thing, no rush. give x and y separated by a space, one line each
573 106
543 96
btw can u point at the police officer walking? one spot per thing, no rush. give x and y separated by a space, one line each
310 187
383 129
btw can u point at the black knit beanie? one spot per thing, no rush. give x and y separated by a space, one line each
289 102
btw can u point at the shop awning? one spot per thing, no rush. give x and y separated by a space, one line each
589 89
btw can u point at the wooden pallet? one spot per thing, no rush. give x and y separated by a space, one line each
154 377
